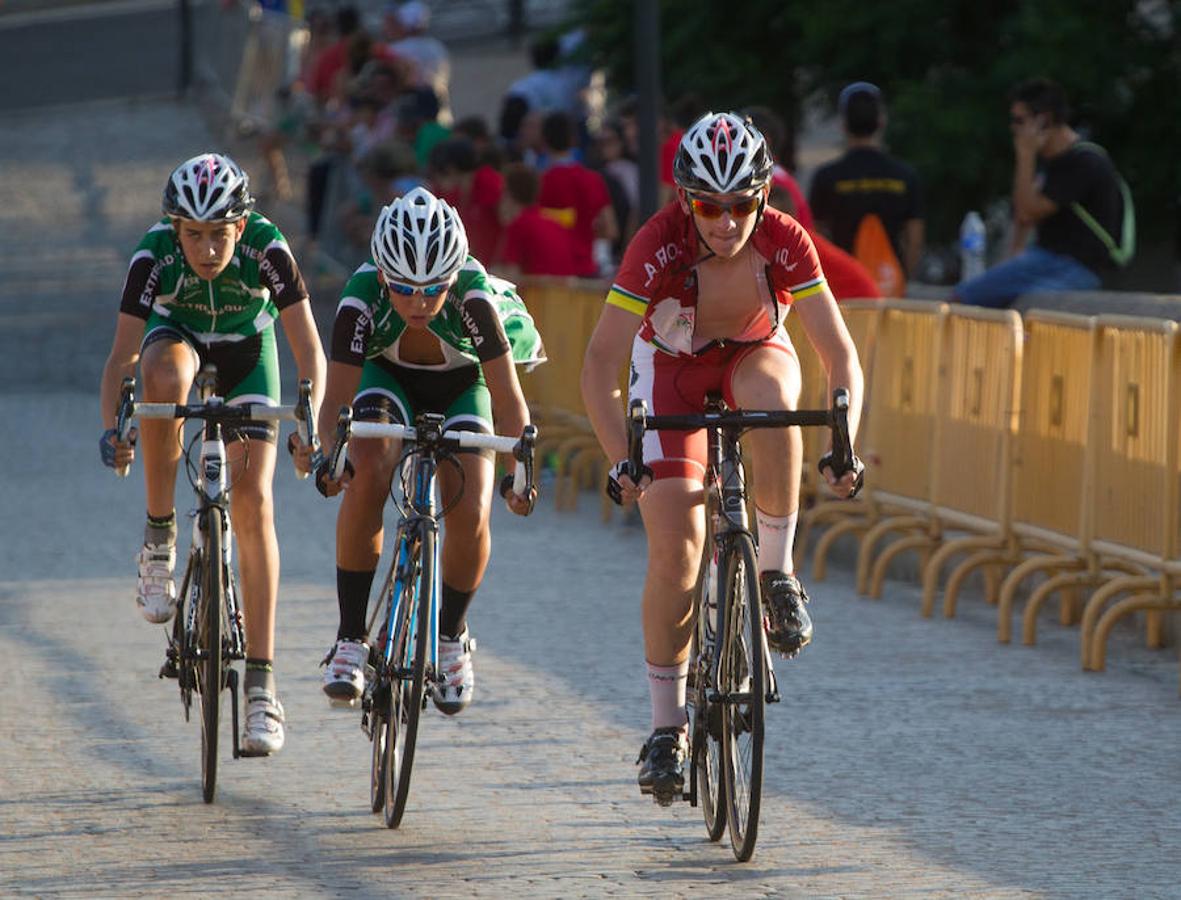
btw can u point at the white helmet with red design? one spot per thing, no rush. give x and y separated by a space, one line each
722 153
208 188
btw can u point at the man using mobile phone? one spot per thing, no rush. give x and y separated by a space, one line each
1069 193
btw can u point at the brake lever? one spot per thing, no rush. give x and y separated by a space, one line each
305 425
123 417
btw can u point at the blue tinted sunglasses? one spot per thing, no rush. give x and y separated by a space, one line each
409 290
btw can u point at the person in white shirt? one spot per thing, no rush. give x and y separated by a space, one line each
406 25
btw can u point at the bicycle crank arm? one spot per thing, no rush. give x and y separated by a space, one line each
729 699
232 684
772 681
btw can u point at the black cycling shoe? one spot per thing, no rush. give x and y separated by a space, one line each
663 771
789 629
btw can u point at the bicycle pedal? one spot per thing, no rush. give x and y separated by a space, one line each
668 798
169 670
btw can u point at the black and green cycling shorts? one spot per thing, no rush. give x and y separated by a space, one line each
247 370
392 393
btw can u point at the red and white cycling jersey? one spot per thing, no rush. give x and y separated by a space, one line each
658 277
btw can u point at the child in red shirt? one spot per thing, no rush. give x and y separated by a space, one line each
458 177
533 243
574 195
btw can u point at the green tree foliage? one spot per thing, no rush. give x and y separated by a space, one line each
946 67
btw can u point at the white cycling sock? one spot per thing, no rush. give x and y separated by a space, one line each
777 538
666 687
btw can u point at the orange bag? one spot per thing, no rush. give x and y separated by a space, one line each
872 247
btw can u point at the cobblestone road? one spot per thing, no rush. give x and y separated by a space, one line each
910 758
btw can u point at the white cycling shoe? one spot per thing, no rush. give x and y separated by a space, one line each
155 589
263 731
455 666
344 679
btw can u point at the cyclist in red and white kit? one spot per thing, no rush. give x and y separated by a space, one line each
699 304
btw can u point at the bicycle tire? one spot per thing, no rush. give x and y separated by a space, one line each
741 672
705 727
406 696
182 640
210 666
379 728
380 731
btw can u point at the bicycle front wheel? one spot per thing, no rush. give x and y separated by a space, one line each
409 681
741 676
209 664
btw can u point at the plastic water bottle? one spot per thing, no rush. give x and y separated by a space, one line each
601 252
972 239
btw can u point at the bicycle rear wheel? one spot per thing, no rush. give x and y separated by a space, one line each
741 676
706 723
406 692
379 723
707 755
180 649
380 731
209 666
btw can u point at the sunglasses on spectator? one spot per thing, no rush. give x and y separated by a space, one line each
409 290
711 209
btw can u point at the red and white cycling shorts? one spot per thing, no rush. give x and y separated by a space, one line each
678 385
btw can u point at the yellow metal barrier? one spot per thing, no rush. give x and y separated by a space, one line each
1071 455
566 312
900 429
974 448
1134 516
862 318
1051 483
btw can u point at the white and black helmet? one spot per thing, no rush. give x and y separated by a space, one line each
419 238
208 188
722 153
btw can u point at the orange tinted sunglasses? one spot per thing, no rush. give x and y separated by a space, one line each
739 209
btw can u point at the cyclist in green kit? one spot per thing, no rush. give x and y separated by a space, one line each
422 327
205 285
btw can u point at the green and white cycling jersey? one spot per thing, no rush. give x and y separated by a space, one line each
244 300
482 318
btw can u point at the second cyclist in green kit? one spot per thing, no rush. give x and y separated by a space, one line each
422 327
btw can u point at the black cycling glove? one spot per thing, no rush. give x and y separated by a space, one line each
614 488
858 468
107 448
321 474
506 488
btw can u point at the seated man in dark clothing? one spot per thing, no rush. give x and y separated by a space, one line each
1077 204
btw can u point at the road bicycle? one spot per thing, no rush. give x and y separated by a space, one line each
404 658
207 634
731 675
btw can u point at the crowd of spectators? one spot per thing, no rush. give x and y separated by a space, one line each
550 187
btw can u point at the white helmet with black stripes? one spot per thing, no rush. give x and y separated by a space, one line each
419 239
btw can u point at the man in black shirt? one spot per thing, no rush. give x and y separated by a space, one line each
868 180
1075 202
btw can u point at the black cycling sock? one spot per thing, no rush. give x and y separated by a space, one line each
352 595
260 673
453 611
162 530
